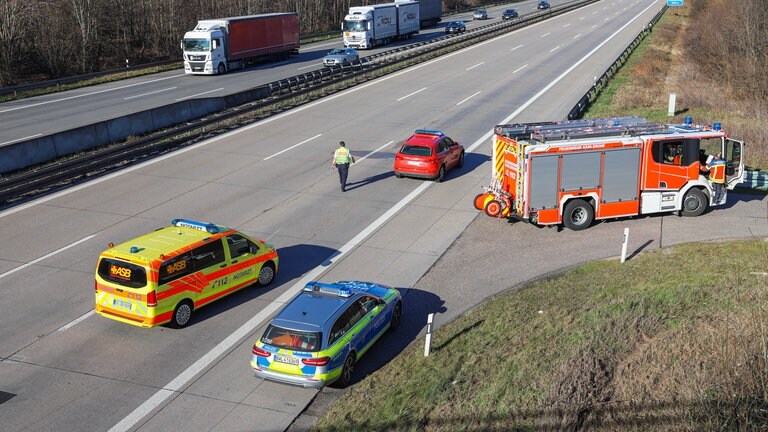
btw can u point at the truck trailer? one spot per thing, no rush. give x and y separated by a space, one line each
574 172
218 45
430 12
365 27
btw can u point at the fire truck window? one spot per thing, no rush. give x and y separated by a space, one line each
672 152
711 146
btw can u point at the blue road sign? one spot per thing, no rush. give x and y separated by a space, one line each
675 2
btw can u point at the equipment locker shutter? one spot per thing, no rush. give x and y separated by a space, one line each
580 171
620 178
543 182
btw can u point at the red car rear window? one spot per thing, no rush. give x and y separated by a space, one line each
416 150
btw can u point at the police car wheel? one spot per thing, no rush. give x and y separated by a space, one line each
397 317
346 372
266 274
694 203
182 314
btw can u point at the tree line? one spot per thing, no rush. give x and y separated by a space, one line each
44 39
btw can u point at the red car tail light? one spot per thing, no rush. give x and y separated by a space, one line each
319 361
259 352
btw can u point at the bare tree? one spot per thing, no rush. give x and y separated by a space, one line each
15 16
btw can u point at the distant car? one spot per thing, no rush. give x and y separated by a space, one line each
543 5
455 27
480 14
509 14
428 154
339 56
317 337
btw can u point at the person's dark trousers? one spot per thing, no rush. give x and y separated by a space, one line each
343 171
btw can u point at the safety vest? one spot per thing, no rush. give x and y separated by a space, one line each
717 171
341 155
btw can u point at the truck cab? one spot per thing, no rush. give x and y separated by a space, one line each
358 29
205 49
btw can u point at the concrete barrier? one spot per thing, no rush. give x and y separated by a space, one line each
754 180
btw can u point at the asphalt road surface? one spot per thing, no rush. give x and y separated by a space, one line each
65 369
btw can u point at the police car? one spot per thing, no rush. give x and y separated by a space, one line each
317 338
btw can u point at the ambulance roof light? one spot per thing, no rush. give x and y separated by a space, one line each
134 249
200 226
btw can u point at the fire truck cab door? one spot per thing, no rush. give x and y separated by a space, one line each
734 162
671 164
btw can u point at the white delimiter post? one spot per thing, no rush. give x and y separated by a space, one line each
671 110
624 246
430 317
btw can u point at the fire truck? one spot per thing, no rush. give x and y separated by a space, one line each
573 172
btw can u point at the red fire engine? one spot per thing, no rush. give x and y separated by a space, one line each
573 172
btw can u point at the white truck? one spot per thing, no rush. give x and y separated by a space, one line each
367 26
218 45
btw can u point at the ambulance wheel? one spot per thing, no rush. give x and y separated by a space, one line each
493 208
461 160
182 314
480 201
266 274
346 372
578 215
694 203
440 174
222 69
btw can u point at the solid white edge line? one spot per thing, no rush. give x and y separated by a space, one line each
20 139
33 262
293 146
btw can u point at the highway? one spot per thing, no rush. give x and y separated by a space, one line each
64 368
44 115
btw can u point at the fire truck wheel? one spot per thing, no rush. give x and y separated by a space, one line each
493 208
480 201
578 215
694 203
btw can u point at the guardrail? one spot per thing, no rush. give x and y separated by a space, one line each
227 108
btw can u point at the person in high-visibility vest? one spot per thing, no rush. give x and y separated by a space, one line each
340 161
716 167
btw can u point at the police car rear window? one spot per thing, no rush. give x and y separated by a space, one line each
291 339
122 273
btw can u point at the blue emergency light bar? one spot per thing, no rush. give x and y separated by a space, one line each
200 226
429 132
326 288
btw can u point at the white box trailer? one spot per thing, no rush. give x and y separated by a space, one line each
408 21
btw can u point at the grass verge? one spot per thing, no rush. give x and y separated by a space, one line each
672 340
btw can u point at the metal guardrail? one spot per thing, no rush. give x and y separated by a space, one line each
53 176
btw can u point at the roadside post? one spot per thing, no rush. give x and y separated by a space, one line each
428 341
624 246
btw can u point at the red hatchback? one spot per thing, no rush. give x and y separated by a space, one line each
428 154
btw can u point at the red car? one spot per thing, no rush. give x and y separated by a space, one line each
428 154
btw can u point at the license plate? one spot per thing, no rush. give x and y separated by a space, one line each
414 163
286 359
121 303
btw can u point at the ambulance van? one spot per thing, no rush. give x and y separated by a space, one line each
164 276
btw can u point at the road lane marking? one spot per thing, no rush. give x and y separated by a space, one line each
472 67
519 46
33 262
520 68
20 139
149 93
88 94
375 151
233 339
199 94
554 49
567 25
468 98
545 34
577 35
76 320
293 146
411 94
